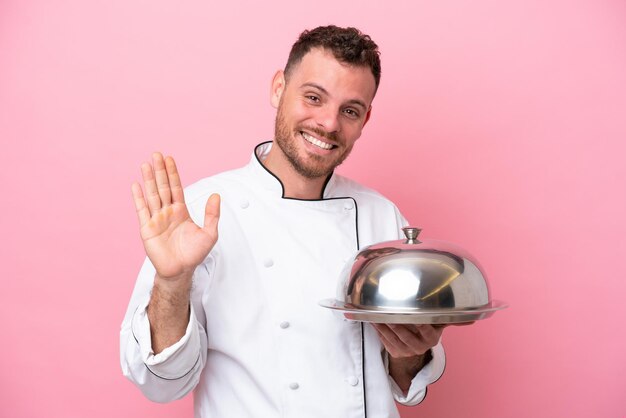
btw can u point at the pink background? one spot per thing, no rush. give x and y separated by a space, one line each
499 125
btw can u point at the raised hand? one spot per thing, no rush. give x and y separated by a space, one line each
173 242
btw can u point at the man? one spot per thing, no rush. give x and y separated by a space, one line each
236 319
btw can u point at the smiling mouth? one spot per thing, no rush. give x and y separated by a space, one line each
317 142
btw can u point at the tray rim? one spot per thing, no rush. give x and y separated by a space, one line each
433 316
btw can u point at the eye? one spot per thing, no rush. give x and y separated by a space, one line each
312 98
351 113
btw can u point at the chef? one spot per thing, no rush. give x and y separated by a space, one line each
226 303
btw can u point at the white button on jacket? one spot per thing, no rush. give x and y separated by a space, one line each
232 349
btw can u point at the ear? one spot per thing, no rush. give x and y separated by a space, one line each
367 115
278 86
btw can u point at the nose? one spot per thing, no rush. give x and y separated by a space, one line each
328 119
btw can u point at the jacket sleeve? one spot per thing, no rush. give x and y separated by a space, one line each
174 372
430 373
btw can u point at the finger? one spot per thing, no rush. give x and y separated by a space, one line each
140 204
413 341
176 187
162 182
405 335
152 195
430 335
390 340
212 214
389 346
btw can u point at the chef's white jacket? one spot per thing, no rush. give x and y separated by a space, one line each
257 343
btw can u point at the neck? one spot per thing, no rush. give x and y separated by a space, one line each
295 185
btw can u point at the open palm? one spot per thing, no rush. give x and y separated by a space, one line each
173 242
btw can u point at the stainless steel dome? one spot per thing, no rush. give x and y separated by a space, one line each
412 281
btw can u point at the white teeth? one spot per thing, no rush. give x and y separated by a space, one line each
316 141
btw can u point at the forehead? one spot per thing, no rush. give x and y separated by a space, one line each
341 80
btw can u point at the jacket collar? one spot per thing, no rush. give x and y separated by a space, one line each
271 182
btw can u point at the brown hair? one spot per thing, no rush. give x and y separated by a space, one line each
348 45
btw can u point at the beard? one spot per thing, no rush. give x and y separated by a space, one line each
311 166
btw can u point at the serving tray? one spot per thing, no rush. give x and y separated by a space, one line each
413 316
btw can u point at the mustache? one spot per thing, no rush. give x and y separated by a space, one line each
332 136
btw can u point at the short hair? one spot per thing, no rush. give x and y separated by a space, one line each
348 45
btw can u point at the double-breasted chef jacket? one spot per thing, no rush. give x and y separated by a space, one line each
258 344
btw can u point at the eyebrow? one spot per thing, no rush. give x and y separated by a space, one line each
323 90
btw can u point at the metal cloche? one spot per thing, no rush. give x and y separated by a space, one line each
413 281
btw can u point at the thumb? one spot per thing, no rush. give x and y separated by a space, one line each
212 214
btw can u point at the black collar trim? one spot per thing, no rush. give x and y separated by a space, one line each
282 186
